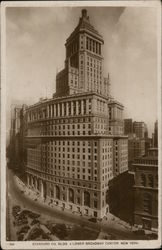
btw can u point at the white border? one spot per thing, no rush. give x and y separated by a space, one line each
99 244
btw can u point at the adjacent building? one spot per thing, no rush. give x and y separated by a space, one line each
146 190
121 196
128 126
136 148
140 129
75 142
155 135
138 141
16 150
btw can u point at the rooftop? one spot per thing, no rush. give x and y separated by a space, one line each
84 26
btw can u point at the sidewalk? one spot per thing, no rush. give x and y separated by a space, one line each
109 219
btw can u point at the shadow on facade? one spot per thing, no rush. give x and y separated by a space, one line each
120 197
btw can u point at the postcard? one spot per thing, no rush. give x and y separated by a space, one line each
81 125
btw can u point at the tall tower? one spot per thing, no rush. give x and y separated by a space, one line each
75 142
83 70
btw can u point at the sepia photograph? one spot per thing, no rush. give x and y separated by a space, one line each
81 125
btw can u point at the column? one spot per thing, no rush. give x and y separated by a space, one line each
27 180
36 185
42 191
82 108
82 201
67 109
97 48
54 191
67 195
77 111
72 111
105 108
115 113
31 181
54 110
93 105
51 110
62 109
58 109
87 106
47 110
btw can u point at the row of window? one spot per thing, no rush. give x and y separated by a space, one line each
93 46
149 180
71 143
67 181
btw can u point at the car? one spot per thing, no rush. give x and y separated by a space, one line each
139 232
93 220
152 236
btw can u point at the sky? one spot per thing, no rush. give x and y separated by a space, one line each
35 51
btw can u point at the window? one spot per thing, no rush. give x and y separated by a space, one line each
150 180
143 180
71 195
147 203
86 199
95 204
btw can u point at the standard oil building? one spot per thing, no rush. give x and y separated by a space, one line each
75 141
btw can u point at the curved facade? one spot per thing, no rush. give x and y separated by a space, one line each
74 141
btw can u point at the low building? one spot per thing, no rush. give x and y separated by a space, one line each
17 152
146 190
140 129
136 148
155 135
120 196
148 144
128 126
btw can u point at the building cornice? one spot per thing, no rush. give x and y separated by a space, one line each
84 137
64 98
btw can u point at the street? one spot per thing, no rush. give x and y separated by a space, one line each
111 228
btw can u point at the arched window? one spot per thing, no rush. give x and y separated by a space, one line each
147 203
57 193
150 180
71 195
30 180
44 189
86 199
38 184
143 180
34 181
51 193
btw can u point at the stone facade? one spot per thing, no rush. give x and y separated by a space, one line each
146 190
74 141
140 129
